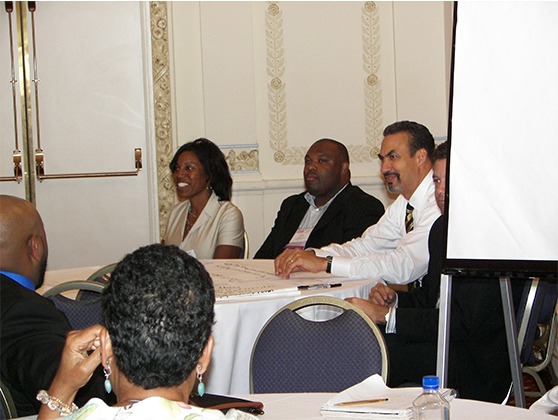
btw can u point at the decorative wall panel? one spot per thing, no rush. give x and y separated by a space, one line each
277 89
163 115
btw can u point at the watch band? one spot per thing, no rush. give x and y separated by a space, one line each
329 259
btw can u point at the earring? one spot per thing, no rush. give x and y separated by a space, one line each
107 372
201 385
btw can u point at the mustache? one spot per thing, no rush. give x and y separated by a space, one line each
391 173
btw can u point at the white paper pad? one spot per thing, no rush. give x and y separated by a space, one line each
398 406
249 279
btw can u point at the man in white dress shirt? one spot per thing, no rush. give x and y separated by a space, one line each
396 248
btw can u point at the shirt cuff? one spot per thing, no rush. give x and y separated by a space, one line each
390 321
340 266
391 327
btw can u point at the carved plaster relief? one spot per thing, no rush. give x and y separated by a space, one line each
162 105
277 90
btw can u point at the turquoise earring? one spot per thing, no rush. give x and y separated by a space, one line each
201 385
108 372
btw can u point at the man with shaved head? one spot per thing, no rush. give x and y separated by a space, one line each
32 330
331 210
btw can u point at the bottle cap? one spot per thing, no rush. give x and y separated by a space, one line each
430 382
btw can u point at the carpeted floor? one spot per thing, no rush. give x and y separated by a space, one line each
530 385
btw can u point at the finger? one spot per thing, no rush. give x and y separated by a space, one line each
280 262
90 363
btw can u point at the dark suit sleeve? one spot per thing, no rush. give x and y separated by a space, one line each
287 221
361 211
474 301
33 337
346 218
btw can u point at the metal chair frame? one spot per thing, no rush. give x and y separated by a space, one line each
107 269
74 285
7 407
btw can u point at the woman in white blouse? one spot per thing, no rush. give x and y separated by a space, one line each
205 223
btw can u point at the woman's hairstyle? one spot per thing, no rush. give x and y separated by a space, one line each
158 310
214 165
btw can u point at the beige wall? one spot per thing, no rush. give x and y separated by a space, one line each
262 80
265 81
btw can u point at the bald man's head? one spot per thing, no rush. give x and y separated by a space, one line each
23 244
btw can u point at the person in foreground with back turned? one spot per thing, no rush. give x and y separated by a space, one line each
158 314
478 366
32 329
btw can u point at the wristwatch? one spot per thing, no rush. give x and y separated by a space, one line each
329 259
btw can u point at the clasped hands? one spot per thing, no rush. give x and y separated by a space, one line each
380 299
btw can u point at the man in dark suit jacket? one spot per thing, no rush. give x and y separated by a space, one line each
478 364
32 330
346 210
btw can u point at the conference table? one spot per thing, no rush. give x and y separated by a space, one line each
248 294
306 406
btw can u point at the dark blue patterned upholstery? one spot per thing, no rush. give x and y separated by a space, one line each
293 354
81 313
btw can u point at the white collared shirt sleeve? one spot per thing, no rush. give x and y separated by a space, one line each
385 250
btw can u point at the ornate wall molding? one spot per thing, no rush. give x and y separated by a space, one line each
162 105
276 88
242 158
277 107
372 83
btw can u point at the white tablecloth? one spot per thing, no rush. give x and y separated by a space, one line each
307 407
238 322
237 327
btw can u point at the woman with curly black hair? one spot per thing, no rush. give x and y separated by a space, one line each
205 223
155 345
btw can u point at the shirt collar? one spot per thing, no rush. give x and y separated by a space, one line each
426 188
312 200
18 278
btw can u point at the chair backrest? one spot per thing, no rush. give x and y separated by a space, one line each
537 306
81 313
293 354
102 272
246 248
7 406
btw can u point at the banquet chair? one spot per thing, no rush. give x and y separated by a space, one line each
293 354
7 406
101 276
103 272
81 313
537 323
543 348
246 247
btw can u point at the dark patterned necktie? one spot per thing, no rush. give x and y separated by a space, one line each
409 222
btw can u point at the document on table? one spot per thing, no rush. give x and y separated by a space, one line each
383 402
241 279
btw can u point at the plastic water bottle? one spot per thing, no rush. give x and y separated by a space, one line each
430 405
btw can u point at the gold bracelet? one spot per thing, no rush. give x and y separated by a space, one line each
55 404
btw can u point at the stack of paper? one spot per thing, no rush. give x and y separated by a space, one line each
372 399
